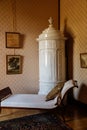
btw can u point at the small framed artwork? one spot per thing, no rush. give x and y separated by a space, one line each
12 40
83 60
14 64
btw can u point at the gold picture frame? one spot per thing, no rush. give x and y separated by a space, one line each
83 60
13 64
12 40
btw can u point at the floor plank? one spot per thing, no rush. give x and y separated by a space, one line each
76 116
10 113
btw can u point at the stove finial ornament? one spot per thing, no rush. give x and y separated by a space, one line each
50 21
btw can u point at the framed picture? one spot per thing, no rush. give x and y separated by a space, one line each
14 64
83 60
12 40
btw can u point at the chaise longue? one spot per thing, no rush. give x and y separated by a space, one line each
7 99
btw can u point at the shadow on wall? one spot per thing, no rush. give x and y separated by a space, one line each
68 50
82 96
22 38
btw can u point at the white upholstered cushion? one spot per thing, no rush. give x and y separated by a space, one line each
28 101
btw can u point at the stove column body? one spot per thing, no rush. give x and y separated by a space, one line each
51 59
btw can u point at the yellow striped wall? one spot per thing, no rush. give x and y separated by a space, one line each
73 21
29 18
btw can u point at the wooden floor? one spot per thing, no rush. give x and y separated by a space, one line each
75 115
11 113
